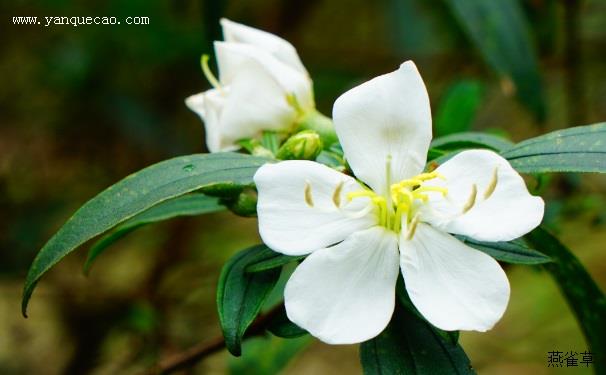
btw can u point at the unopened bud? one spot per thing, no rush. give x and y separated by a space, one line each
322 125
305 145
245 204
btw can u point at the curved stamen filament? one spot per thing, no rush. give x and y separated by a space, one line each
209 74
438 189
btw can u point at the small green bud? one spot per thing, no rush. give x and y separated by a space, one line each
245 204
305 145
322 125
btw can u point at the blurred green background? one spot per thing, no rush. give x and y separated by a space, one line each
82 107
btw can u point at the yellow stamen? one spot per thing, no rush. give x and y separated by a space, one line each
442 190
493 183
400 211
360 193
336 196
383 213
472 198
399 203
308 198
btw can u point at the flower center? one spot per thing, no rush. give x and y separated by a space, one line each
402 202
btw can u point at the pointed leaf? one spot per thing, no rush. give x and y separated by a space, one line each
241 294
137 193
281 326
411 346
274 261
510 252
578 149
187 205
471 140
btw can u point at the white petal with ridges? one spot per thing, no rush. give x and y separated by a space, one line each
209 105
454 286
386 116
231 57
196 103
276 46
296 208
255 102
346 294
502 210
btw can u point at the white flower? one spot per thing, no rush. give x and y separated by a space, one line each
260 79
360 232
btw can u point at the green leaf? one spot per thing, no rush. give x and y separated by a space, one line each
411 346
274 261
500 32
137 193
281 326
458 107
578 149
510 252
584 297
187 205
241 294
471 140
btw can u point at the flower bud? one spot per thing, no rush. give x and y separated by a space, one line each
258 72
245 204
322 125
305 145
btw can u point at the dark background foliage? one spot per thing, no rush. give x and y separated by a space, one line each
82 107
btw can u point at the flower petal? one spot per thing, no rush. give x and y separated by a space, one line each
498 208
345 294
276 46
454 286
297 206
196 104
254 102
208 105
386 116
231 57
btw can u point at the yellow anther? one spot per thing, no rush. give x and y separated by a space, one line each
209 74
430 176
408 183
308 198
423 197
336 196
412 228
493 183
472 199
405 194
